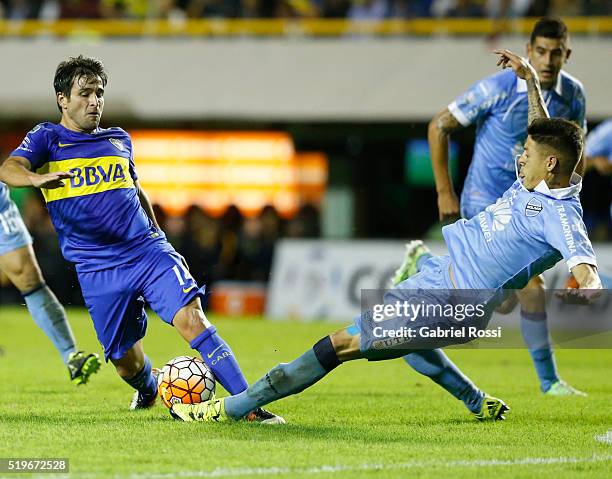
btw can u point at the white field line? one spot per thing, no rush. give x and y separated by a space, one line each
331 469
605 438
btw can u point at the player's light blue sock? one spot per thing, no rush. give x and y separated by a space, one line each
535 333
144 382
424 257
436 365
220 359
50 316
281 381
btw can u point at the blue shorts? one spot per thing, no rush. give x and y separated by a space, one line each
115 297
432 286
13 232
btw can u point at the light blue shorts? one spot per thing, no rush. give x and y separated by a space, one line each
430 288
13 232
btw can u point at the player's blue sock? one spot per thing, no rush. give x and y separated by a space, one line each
535 333
424 257
220 359
50 316
144 382
285 379
437 366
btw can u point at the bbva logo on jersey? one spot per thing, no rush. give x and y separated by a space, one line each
92 175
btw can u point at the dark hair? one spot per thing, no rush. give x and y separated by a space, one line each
75 67
548 27
562 136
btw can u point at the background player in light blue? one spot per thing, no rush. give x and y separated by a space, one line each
106 226
599 150
498 105
18 263
542 224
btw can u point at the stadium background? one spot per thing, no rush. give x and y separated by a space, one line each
307 123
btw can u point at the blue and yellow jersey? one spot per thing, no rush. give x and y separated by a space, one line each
97 214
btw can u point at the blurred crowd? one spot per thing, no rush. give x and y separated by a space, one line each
231 247
352 9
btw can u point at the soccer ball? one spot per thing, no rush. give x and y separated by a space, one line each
185 380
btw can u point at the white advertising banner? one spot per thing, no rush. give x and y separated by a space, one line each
323 279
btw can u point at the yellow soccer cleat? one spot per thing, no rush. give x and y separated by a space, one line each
212 410
561 388
81 366
414 250
492 409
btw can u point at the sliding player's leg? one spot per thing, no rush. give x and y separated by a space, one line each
357 341
534 327
22 269
281 381
437 366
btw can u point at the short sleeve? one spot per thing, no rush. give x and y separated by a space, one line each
599 141
34 147
476 102
565 231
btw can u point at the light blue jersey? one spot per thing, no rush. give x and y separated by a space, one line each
599 141
498 106
523 234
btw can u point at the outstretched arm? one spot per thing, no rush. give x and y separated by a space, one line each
522 68
440 128
15 171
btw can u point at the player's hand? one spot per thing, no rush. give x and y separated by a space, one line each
520 65
579 296
51 181
448 206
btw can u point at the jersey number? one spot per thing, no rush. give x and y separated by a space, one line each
10 220
182 274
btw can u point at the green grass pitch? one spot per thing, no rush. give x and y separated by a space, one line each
365 420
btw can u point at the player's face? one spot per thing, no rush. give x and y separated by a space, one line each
547 56
534 164
83 109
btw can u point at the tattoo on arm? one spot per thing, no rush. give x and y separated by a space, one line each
447 123
537 107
